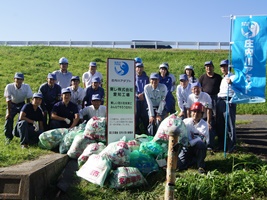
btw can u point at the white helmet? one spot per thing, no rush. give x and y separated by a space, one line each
63 60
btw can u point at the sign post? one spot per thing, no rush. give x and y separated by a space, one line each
120 99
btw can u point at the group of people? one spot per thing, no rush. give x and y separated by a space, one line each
59 103
62 103
202 104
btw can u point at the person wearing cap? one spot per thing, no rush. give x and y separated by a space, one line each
63 75
189 71
51 92
182 92
77 93
164 78
198 96
64 114
141 79
155 94
92 73
198 137
172 77
15 93
93 89
30 124
226 90
138 60
96 109
210 82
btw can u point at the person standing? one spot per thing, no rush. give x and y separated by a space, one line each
141 79
51 92
95 88
198 135
155 94
189 71
182 92
226 89
210 82
77 93
30 124
64 114
63 75
15 94
92 73
164 78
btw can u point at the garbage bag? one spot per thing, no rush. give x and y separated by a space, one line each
126 177
50 139
95 169
93 148
144 162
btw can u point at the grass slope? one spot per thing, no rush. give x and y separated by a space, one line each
239 176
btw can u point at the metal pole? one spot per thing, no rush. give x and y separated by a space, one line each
171 163
227 98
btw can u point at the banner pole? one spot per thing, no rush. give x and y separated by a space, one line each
227 97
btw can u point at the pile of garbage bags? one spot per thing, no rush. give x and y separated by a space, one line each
121 164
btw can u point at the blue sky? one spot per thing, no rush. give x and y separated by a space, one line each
122 20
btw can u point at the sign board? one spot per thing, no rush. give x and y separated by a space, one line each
120 99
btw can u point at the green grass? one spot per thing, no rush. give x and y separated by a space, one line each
238 176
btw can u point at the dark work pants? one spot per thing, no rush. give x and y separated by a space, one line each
59 124
220 118
141 116
192 155
8 129
26 133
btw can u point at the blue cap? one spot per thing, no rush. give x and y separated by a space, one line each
37 95
224 62
75 78
138 60
52 76
96 97
196 84
154 76
183 77
93 64
96 80
19 75
63 60
208 63
139 65
65 90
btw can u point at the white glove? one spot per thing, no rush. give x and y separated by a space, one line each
67 120
36 126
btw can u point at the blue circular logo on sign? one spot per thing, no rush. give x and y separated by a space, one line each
122 68
250 29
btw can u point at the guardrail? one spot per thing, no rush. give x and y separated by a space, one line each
122 44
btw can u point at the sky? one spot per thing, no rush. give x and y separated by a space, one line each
122 20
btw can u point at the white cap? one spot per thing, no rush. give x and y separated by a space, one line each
163 65
63 60
188 67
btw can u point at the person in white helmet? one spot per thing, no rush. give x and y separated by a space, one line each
63 75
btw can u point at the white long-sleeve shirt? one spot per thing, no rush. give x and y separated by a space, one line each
91 111
182 95
155 98
197 131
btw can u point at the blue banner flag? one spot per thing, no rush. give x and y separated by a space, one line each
249 45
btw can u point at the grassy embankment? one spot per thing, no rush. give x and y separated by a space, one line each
239 176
